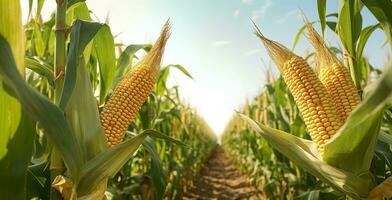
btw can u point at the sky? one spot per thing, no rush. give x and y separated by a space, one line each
214 41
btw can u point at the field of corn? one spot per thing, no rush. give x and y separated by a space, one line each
83 116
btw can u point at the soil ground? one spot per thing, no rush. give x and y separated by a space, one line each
219 179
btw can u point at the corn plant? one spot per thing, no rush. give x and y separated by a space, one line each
347 139
52 138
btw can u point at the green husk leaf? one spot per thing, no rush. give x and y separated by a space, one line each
83 116
304 153
81 34
352 148
107 163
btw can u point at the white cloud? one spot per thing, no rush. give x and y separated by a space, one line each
220 43
247 1
252 52
256 14
236 13
287 16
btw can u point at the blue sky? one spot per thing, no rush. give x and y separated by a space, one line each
214 40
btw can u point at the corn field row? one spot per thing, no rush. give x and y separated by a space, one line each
85 117
349 156
51 119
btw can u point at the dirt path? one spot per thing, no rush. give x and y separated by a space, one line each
219 179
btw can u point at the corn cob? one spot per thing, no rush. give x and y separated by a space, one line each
334 76
312 98
265 110
132 91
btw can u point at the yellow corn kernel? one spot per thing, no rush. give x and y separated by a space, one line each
311 96
334 76
130 94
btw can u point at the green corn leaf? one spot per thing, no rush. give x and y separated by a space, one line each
381 9
81 110
38 180
384 137
363 38
107 163
164 73
39 108
39 67
13 166
124 62
332 25
349 25
78 11
10 109
81 34
322 8
72 3
299 34
304 153
156 172
104 47
83 116
352 148
38 41
156 134
40 4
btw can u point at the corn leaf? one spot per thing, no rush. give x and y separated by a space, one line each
156 172
79 11
322 9
349 24
381 9
13 166
104 47
363 38
39 108
38 180
107 163
298 36
81 109
83 116
81 34
38 41
304 153
39 67
40 4
164 73
72 3
124 62
385 137
352 148
10 109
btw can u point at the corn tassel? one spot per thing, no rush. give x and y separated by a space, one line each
334 76
132 91
311 96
